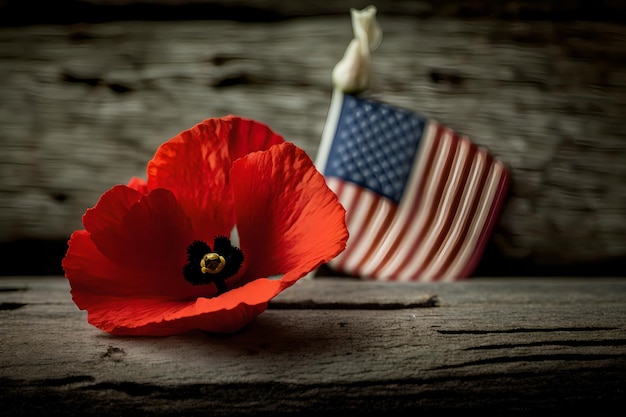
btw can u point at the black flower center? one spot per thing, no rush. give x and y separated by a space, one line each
212 266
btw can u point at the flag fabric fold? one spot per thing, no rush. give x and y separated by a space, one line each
421 200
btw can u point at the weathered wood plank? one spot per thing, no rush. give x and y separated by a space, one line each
84 107
516 347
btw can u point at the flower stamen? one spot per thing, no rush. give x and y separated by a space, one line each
212 263
212 266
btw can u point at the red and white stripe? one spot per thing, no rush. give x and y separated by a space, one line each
440 227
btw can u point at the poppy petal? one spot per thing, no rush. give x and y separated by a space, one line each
227 313
288 219
89 272
141 249
112 206
194 165
138 184
245 136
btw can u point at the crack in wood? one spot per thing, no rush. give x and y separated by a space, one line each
525 330
431 301
114 353
131 388
570 343
69 380
96 82
533 358
13 289
11 306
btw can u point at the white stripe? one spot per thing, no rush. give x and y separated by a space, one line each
411 227
487 197
347 199
365 247
443 208
401 218
417 224
358 219
471 192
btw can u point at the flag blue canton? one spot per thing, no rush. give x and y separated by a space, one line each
375 146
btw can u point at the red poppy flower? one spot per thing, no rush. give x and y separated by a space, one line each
155 256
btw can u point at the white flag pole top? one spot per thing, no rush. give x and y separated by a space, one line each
352 73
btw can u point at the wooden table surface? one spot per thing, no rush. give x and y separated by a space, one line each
331 346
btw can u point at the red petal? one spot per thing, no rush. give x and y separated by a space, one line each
227 313
138 251
138 184
112 206
91 274
287 217
194 165
245 136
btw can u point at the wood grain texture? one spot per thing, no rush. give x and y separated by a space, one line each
84 106
512 347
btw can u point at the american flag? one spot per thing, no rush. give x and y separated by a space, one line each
421 200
